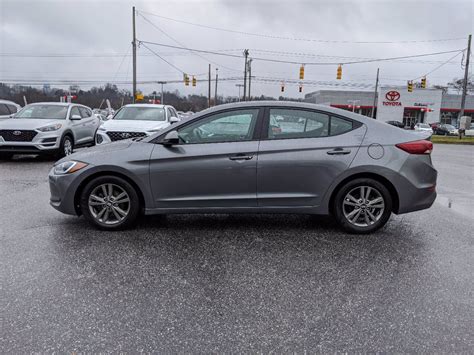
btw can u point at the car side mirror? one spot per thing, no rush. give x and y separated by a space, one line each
75 117
171 138
174 119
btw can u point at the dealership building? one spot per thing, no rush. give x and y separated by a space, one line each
397 104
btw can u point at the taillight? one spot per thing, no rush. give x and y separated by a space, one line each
417 147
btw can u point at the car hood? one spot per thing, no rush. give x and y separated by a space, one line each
133 126
90 154
27 123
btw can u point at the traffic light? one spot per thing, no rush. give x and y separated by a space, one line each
186 79
339 72
410 86
423 82
194 80
302 72
300 88
282 87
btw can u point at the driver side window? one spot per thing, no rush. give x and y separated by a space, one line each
231 126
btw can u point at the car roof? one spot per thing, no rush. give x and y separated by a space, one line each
8 102
53 103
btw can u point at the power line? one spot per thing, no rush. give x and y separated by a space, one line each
296 38
181 44
163 59
439 66
307 63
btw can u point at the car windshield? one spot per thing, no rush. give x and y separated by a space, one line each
141 114
55 112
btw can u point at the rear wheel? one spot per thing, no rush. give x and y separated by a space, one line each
110 203
362 206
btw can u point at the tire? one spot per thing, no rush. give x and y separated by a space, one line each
117 215
6 156
355 215
66 147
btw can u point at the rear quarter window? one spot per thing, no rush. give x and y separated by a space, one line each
340 126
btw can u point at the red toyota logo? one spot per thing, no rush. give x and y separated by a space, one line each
392 95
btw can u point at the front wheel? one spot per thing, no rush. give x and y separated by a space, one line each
110 203
362 206
66 147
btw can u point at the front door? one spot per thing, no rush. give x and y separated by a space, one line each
214 166
302 154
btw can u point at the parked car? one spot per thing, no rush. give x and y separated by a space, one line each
470 132
446 130
135 121
423 127
48 127
228 159
8 108
396 124
434 126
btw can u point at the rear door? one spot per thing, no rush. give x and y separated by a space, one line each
214 166
301 154
89 123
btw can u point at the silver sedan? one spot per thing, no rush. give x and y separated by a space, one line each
253 157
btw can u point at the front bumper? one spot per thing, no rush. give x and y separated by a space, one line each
43 142
103 138
63 190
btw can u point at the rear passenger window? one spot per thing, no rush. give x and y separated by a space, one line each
12 108
4 111
286 123
340 126
85 112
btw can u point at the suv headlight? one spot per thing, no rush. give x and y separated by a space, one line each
51 128
68 167
102 129
154 130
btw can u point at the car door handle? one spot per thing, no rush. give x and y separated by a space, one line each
338 151
240 157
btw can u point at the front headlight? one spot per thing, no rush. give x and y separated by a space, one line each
68 167
154 130
102 128
51 128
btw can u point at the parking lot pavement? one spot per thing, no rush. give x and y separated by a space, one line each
210 283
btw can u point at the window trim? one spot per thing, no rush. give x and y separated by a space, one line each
266 120
256 132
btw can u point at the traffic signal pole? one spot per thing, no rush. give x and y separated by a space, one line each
375 93
134 55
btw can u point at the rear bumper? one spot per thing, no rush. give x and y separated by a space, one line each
416 185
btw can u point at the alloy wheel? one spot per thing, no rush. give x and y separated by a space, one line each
363 206
67 147
109 204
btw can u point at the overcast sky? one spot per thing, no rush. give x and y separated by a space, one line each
89 41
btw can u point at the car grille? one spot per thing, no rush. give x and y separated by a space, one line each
116 136
17 135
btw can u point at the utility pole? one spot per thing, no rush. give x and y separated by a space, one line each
162 92
215 88
250 74
246 54
353 102
134 55
466 77
209 81
239 86
375 93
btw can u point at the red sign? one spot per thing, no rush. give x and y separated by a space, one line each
392 98
392 95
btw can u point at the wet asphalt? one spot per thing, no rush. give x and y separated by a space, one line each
220 283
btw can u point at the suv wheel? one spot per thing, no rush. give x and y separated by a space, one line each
67 147
110 203
362 206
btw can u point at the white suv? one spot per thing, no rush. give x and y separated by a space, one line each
136 120
48 127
